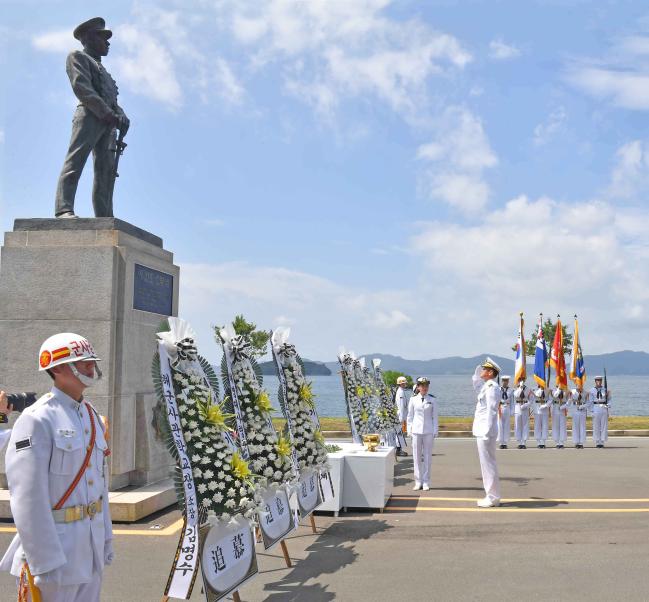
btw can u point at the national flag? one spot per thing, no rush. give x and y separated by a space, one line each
520 366
540 357
60 353
577 368
557 358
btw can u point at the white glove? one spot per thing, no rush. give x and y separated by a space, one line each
44 578
108 552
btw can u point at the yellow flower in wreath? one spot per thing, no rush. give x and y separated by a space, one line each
318 436
283 447
240 467
263 403
306 394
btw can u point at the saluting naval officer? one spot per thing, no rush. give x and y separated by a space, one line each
559 399
423 425
56 466
599 400
485 428
401 401
505 410
94 122
523 396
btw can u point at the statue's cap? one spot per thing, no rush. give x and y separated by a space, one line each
96 24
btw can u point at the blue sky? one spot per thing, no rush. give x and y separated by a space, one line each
388 176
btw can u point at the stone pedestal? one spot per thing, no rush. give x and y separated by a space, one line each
112 283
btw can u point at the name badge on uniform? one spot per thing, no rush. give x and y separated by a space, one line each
66 432
23 444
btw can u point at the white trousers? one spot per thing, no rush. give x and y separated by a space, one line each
84 592
579 427
600 426
559 426
541 427
522 426
504 427
489 468
422 451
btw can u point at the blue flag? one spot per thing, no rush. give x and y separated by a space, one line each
540 357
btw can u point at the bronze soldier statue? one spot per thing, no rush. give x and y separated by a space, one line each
94 123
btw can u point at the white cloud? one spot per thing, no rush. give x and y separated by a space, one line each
324 314
586 258
500 51
227 84
146 66
59 41
2 136
630 175
457 158
621 78
331 51
546 130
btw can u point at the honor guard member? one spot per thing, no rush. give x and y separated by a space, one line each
505 410
56 466
599 401
401 400
485 428
559 416
523 396
578 406
423 425
94 121
541 416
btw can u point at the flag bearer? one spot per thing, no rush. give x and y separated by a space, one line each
58 480
599 401
579 407
423 425
559 416
523 396
505 410
485 429
541 416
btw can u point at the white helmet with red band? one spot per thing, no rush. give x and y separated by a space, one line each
65 348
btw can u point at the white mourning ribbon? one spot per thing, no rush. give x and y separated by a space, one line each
185 564
278 343
226 338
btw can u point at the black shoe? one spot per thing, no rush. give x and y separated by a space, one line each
541 446
559 446
600 445
521 447
524 446
503 447
579 446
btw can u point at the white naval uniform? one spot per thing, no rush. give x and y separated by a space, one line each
485 429
559 418
599 403
4 437
47 448
579 409
541 418
423 425
401 400
522 398
505 410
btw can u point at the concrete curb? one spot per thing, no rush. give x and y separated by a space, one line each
611 433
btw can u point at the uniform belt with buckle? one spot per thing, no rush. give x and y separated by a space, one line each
75 513
600 402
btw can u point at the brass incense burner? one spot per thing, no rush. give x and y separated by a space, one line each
371 442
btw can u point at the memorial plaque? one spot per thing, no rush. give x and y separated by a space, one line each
152 290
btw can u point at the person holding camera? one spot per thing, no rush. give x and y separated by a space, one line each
56 467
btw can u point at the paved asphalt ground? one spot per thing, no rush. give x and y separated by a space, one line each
574 525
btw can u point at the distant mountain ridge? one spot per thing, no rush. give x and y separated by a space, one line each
310 368
626 363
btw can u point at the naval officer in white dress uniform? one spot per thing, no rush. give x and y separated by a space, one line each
485 428
505 411
599 402
423 425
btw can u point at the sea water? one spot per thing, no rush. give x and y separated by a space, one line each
629 394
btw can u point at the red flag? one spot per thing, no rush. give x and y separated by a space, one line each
557 358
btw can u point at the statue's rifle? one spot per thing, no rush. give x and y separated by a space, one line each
120 146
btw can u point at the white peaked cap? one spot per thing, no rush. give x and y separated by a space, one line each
505 377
